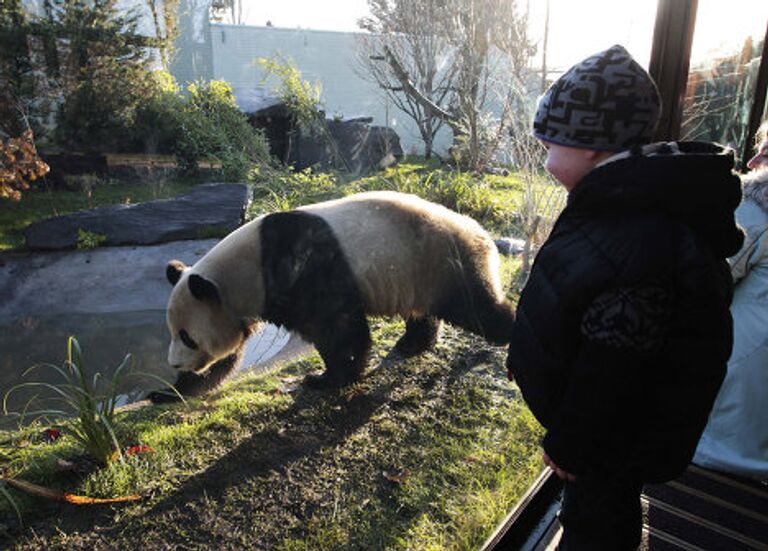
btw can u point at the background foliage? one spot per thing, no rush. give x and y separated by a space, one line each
201 124
19 165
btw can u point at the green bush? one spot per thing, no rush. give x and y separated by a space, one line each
156 122
300 96
102 73
205 123
89 240
489 199
213 126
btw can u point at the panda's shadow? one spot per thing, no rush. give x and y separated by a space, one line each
297 434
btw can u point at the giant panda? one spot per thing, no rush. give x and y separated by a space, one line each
320 270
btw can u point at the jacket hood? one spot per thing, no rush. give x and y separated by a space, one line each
756 187
692 182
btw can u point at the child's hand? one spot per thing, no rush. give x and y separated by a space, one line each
561 474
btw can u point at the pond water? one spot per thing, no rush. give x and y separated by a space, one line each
105 339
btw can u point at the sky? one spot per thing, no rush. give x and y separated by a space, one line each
329 15
578 28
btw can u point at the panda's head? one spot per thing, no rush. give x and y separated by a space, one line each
203 330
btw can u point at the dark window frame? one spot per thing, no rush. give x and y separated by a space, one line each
670 64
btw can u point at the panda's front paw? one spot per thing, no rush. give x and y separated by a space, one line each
166 396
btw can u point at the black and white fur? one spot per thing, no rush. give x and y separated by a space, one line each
320 270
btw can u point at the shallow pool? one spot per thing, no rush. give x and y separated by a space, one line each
105 340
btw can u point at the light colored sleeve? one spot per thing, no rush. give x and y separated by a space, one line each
751 253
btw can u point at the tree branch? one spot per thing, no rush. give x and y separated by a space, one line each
412 91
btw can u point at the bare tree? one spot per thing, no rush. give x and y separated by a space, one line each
407 58
542 198
453 62
165 21
229 11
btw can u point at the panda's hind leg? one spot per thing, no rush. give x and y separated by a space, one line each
420 335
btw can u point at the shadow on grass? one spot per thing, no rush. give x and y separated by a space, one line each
284 481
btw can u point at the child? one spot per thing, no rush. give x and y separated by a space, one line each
623 330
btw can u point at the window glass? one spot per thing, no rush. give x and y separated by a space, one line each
579 29
725 58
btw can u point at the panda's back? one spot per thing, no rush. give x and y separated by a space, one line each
403 250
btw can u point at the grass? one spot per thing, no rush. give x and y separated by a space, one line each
492 200
259 464
427 453
39 203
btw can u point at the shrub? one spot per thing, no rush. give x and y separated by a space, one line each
157 120
300 96
103 72
204 123
19 165
89 240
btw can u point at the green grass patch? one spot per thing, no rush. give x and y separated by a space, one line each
492 200
425 453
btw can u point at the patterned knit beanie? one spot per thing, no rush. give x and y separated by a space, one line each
607 102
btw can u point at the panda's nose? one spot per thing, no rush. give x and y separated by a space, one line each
176 366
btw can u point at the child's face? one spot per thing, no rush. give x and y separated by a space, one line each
761 159
570 164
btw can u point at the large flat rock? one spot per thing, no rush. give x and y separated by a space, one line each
207 210
103 280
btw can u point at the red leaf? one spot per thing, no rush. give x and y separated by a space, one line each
135 450
51 435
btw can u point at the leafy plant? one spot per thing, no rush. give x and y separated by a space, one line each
94 408
288 189
464 192
104 71
89 240
19 165
210 124
300 96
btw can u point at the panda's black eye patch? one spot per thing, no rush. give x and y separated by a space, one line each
187 340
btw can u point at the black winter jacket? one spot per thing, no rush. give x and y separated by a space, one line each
623 330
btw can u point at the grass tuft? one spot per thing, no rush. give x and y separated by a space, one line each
94 409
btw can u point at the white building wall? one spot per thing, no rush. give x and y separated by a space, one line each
327 58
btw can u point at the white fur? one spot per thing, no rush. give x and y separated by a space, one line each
398 272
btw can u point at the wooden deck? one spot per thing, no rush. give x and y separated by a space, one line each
700 511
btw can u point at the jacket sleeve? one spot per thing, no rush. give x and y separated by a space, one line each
754 249
621 330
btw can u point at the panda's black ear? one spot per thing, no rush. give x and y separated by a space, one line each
173 271
203 289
